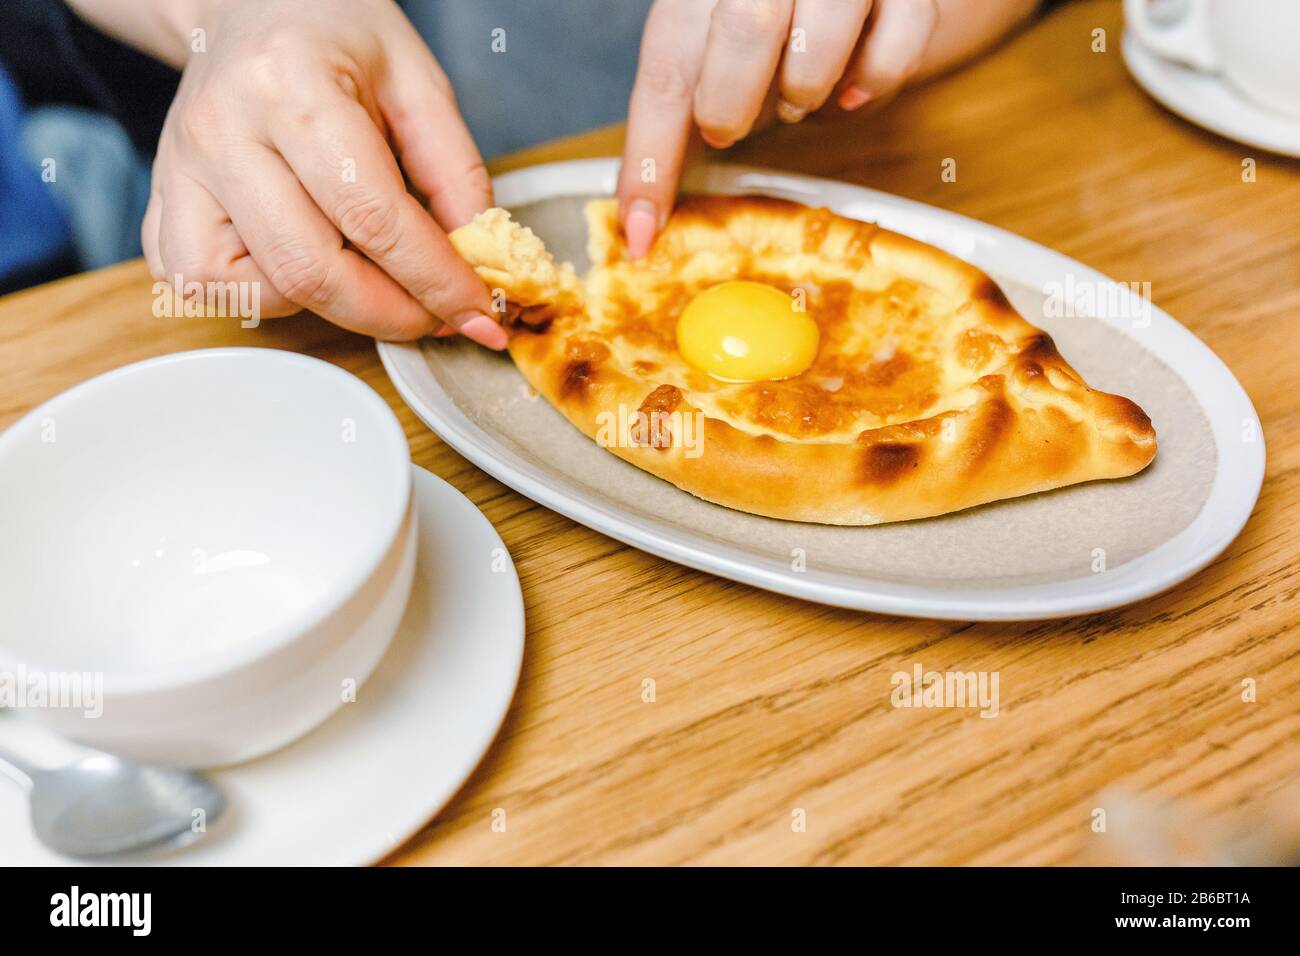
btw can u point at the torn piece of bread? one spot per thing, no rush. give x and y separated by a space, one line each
510 257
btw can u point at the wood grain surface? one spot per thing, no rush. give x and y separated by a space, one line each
766 706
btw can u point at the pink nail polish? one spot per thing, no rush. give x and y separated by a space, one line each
640 226
853 98
486 332
714 141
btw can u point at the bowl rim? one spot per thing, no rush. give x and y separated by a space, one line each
356 574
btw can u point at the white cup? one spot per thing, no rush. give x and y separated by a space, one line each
207 551
1254 44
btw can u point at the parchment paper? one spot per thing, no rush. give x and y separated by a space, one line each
1035 539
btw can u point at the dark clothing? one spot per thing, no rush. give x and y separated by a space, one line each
55 57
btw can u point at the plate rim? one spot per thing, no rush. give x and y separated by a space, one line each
1228 506
1151 73
491 730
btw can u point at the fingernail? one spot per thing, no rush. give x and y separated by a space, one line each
788 112
640 226
853 98
714 141
484 331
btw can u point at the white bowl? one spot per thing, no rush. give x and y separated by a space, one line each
223 538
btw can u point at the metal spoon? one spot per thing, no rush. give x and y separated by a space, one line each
102 805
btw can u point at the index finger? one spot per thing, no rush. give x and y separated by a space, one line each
349 171
659 118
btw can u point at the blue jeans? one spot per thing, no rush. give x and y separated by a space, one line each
35 240
100 182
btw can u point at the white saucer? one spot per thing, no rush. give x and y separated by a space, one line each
360 785
1206 100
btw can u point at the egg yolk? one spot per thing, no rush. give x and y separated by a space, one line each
743 331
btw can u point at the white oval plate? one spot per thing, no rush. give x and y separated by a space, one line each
565 479
357 787
1206 100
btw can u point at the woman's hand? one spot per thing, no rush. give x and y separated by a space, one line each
719 64
285 158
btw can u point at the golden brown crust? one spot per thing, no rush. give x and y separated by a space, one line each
964 403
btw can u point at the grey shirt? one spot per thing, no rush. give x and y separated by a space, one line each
526 71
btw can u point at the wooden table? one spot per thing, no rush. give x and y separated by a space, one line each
766 705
